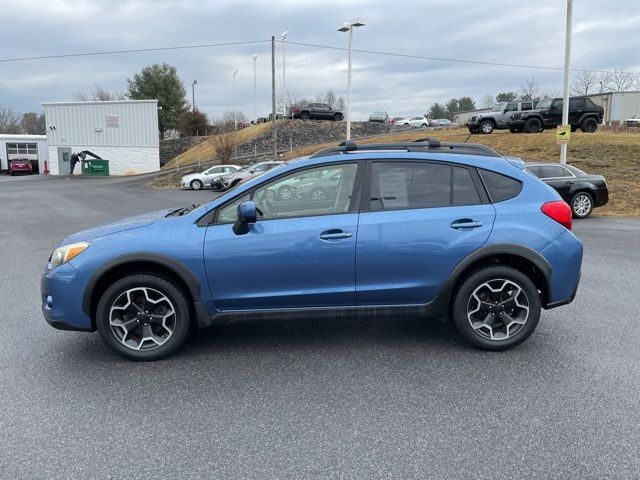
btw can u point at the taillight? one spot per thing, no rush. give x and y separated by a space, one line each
559 211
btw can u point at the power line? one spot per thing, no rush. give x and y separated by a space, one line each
137 50
454 60
314 45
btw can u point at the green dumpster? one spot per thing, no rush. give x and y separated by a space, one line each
95 168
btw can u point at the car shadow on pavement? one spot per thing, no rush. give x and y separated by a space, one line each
310 334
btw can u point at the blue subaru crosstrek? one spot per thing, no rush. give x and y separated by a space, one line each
422 228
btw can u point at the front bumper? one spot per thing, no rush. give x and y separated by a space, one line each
61 291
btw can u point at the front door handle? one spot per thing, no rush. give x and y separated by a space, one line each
335 234
465 224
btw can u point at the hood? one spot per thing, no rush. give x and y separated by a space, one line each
117 226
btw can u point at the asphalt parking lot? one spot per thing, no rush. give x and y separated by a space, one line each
338 399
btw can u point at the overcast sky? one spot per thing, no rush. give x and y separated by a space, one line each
606 36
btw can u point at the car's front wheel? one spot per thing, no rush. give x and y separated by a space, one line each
337 117
496 308
581 205
486 127
533 125
143 317
196 184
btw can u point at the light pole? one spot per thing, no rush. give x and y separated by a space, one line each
255 108
348 27
567 66
284 90
235 114
193 96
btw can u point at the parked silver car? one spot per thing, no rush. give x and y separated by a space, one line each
382 117
198 180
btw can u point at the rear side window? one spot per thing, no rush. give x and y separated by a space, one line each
397 185
464 190
534 170
554 171
500 187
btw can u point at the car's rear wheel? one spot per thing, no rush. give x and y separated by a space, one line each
496 308
143 317
589 125
486 127
196 184
533 125
582 205
337 117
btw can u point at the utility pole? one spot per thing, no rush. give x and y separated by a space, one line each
567 67
193 96
284 88
235 108
348 27
273 97
255 108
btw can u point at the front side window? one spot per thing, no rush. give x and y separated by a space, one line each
229 212
261 168
511 107
397 185
526 106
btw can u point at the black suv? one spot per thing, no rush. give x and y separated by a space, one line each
320 111
582 191
583 114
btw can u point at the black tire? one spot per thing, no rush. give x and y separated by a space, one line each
424 125
581 205
533 125
318 194
486 127
154 283
234 184
465 301
514 130
474 131
305 116
285 193
196 184
589 125
337 117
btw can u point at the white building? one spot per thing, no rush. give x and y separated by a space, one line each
32 147
125 132
618 106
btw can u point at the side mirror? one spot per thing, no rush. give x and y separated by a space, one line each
247 214
252 172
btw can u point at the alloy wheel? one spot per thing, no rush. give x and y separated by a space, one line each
581 205
142 318
318 194
498 309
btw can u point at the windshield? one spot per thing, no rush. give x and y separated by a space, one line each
244 169
637 115
498 107
544 103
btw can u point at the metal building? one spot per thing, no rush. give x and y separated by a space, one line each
618 106
125 132
31 147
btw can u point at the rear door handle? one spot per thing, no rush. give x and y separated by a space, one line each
465 224
334 234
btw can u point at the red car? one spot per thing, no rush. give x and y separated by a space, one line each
20 165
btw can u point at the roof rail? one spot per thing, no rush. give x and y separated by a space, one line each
420 145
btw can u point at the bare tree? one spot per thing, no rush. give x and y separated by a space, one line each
99 94
340 103
550 92
583 82
10 121
487 101
233 118
225 141
621 80
530 89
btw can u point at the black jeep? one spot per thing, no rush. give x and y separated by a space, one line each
583 114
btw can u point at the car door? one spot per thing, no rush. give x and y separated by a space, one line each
418 220
576 109
559 179
300 253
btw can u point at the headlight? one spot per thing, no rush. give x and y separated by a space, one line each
64 254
